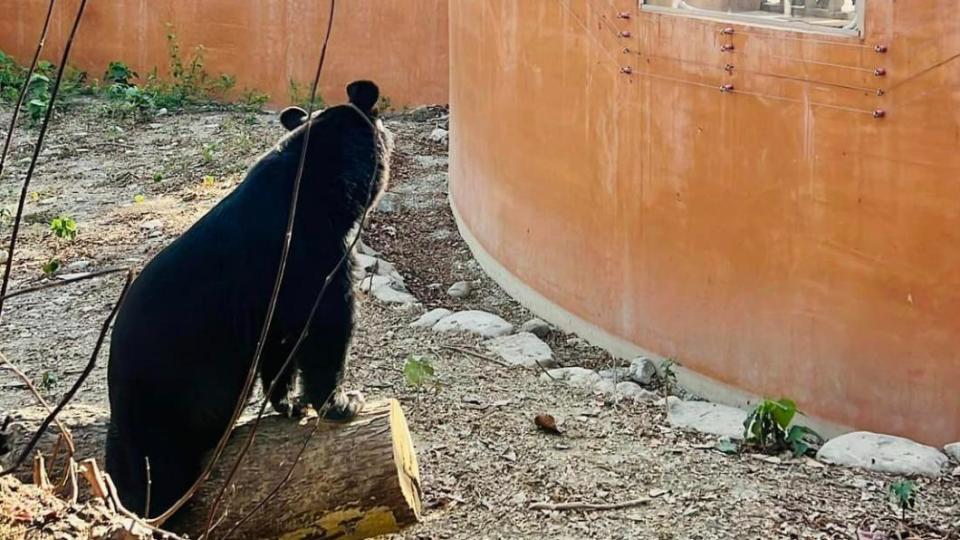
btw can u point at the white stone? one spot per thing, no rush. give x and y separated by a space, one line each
389 203
151 224
632 390
706 417
78 266
389 295
523 349
883 453
475 322
616 374
577 377
643 371
439 135
431 318
3 256
368 264
460 289
953 450
536 327
364 249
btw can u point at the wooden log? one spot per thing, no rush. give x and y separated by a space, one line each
353 480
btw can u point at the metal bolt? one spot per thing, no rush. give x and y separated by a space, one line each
727 48
726 88
879 72
880 49
728 31
728 68
879 113
881 91
623 15
626 69
624 34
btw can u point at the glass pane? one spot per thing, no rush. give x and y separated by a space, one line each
825 13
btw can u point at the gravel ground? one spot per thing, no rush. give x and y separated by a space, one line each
483 461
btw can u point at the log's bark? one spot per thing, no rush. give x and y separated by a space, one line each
353 481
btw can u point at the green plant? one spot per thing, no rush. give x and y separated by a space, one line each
127 100
119 73
768 428
38 97
48 380
208 181
138 198
418 370
64 227
904 494
158 176
50 267
252 100
301 97
208 152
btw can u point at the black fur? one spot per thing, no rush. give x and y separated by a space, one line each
185 336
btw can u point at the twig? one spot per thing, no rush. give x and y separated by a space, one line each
268 321
26 85
15 232
475 354
589 506
62 282
67 436
76 385
146 506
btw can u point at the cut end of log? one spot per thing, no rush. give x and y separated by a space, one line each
406 458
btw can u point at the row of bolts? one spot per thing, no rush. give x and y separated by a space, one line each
729 48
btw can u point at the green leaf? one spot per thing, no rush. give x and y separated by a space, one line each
783 412
417 370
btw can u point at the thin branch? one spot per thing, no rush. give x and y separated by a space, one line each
475 354
76 385
26 86
62 282
67 436
589 506
271 306
36 153
146 506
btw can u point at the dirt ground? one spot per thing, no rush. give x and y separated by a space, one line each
132 188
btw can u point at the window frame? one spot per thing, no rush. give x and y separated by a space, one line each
751 20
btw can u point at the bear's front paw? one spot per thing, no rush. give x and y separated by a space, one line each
345 406
294 410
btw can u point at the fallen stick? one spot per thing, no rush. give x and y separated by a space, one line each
589 506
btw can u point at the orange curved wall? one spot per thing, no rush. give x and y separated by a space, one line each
402 44
777 238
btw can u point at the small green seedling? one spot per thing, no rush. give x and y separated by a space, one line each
64 227
904 494
158 176
48 380
208 153
418 370
768 428
208 181
50 267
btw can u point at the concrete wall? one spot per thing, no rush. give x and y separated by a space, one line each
402 44
777 239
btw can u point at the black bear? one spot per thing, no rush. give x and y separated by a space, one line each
185 336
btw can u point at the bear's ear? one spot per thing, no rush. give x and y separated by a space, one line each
363 94
292 117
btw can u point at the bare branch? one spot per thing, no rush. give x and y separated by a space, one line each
589 506
62 282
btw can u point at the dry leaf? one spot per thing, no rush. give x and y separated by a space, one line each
546 423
